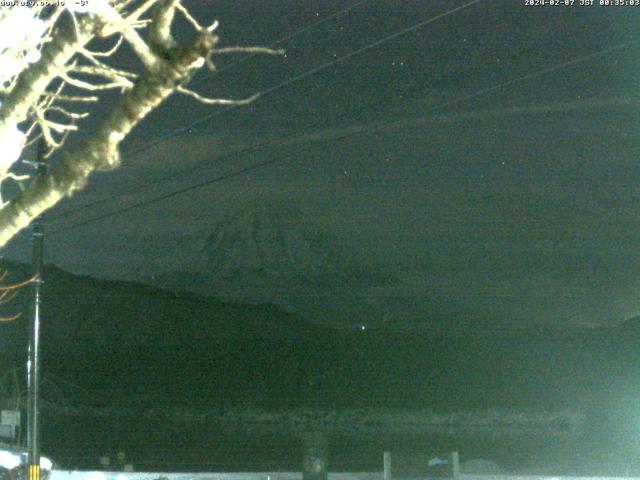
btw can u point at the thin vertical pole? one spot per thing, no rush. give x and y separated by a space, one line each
315 456
33 364
387 472
455 465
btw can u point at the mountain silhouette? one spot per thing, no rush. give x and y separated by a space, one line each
82 313
270 243
266 250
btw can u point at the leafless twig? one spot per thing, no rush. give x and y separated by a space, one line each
217 101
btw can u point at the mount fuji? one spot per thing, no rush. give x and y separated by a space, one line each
267 250
269 247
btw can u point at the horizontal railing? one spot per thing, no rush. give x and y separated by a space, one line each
100 475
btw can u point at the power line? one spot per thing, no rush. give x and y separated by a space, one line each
281 40
279 86
310 72
544 71
259 165
167 195
286 38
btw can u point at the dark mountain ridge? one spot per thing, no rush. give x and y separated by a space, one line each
84 313
109 335
267 250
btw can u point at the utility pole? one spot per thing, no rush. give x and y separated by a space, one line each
33 364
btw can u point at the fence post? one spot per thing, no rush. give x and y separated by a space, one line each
387 465
455 466
315 456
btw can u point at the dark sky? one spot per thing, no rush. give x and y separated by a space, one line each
519 202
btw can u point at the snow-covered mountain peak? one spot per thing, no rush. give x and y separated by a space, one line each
260 234
270 238
266 250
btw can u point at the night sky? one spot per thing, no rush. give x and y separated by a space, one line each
520 202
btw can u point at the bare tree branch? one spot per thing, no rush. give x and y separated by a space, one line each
33 82
190 17
118 23
217 101
92 87
141 10
15 177
266 50
12 318
100 150
8 293
108 53
118 78
33 97
105 71
16 286
77 98
92 59
67 113
240 49
159 36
